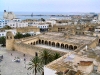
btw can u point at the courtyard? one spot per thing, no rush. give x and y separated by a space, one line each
52 48
9 67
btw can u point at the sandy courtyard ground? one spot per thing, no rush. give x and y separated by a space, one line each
9 67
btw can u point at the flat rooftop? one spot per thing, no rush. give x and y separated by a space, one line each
76 39
69 61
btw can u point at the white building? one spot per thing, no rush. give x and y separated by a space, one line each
41 26
98 18
3 22
97 29
3 33
9 15
53 22
13 24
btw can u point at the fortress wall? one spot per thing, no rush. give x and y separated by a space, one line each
24 48
28 29
9 44
30 49
31 41
93 44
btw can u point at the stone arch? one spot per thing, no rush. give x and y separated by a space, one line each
10 37
99 40
42 41
36 42
57 44
66 46
46 42
53 44
31 43
49 43
62 45
75 47
70 47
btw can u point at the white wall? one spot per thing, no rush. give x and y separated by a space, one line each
17 24
48 71
4 32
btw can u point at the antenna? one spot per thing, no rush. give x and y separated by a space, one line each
8 8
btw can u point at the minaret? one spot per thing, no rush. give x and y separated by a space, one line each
9 41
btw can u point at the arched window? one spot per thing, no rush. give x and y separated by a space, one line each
57 45
62 45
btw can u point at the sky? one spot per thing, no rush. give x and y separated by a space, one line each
50 5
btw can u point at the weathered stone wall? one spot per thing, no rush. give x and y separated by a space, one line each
28 29
9 44
31 49
93 44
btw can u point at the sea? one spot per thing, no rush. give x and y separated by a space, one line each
40 13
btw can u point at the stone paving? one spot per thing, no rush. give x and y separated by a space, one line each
53 48
9 67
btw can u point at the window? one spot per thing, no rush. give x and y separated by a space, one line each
5 23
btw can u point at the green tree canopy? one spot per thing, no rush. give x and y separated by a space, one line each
35 65
46 57
2 40
7 27
18 35
56 56
42 19
26 35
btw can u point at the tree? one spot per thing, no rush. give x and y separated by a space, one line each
26 35
18 35
42 19
56 56
7 27
35 64
2 40
46 57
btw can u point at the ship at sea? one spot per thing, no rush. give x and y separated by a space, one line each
32 15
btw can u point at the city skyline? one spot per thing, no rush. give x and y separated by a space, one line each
50 5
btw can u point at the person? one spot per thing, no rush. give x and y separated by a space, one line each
2 56
24 55
24 59
11 54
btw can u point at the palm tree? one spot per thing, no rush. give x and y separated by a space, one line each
35 65
56 56
46 57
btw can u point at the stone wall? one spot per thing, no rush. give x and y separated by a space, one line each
28 29
31 49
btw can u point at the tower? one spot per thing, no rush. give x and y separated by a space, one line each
9 41
99 17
